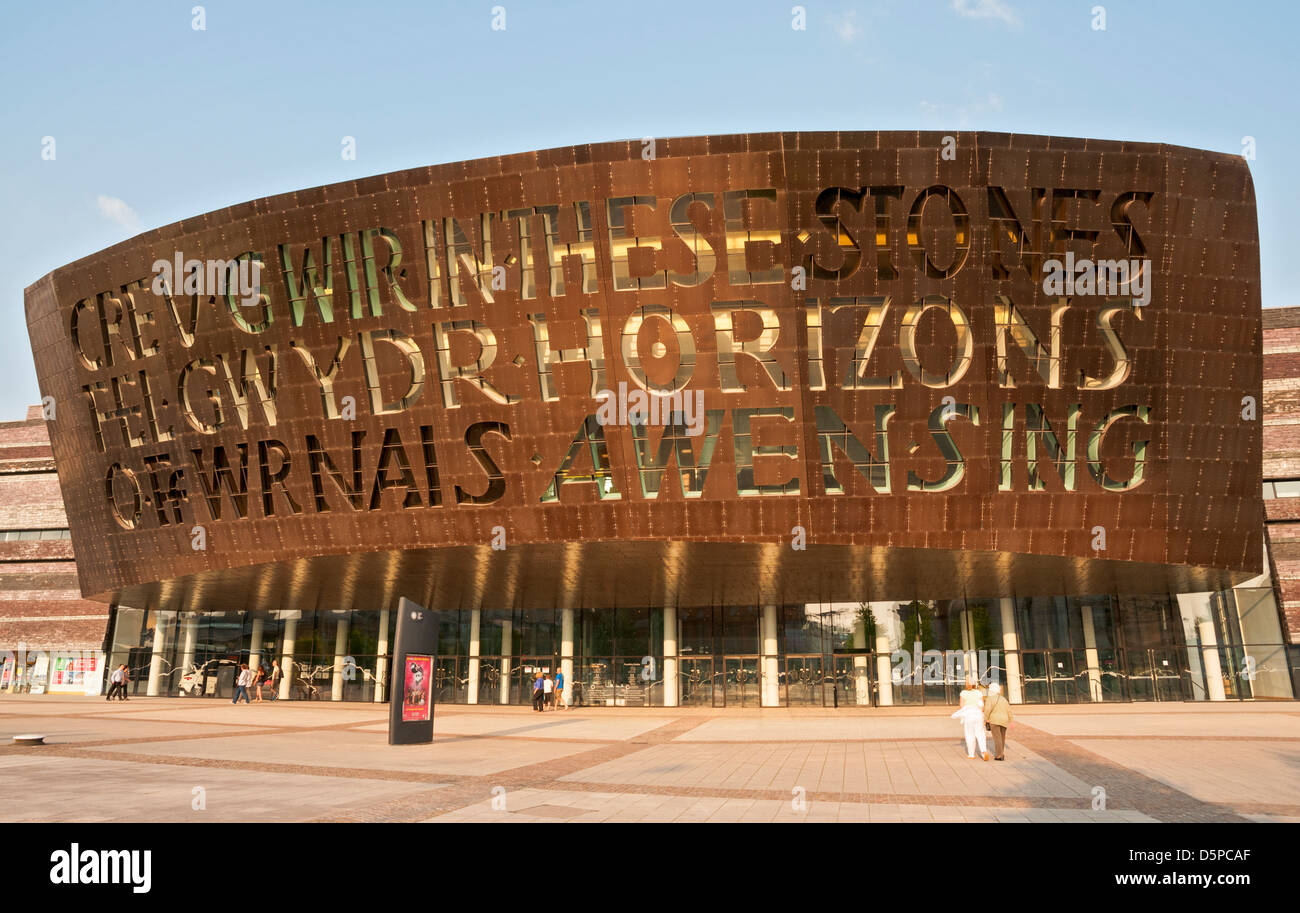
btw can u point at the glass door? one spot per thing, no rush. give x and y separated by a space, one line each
1036 684
805 681
851 681
742 681
1111 662
695 682
597 681
447 685
525 674
494 682
1169 673
1061 673
1141 676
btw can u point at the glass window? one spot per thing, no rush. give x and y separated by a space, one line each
597 627
491 632
806 628
448 640
919 622
695 631
1287 489
1043 623
984 620
740 629
1149 621
1097 613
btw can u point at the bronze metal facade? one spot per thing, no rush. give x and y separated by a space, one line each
904 395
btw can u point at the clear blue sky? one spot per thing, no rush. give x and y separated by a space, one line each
154 121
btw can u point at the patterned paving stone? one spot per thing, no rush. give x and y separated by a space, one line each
508 765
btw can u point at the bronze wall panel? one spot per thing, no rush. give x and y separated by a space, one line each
1193 350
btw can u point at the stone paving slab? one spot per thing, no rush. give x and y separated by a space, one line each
15 709
1258 724
540 806
361 751
71 729
57 788
847 728
877 767
533 725
323 762
1224 771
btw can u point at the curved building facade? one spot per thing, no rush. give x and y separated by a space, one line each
716 419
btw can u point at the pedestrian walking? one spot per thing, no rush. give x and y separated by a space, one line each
273 681
538 694
117 683
241 684
259 678
559 690
997 716
970 712
548 690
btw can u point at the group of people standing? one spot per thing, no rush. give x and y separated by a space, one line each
980 712
259 679
548 692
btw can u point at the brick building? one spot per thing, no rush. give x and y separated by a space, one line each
44 622
1282 458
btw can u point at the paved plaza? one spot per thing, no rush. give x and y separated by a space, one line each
157 759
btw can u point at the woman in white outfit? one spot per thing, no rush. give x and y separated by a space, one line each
971 714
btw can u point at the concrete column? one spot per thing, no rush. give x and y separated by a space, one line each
770 677
1091 656
286 658
969 661
381 661
255 646
190 645
1011 649
670 656
340 653
475 620
884 668
1210 660
567 618
507 650
159 647
861 680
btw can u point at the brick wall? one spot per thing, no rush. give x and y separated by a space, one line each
1281 414
40 599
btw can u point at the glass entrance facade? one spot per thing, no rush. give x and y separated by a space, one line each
1057 650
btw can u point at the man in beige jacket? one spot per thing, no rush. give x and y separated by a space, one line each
997 713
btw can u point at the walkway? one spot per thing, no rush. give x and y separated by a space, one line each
198 760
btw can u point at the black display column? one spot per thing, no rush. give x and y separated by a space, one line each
410 707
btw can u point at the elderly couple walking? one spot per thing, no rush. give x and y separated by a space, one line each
977 711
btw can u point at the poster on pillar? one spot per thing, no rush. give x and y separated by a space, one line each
410 710
416 693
